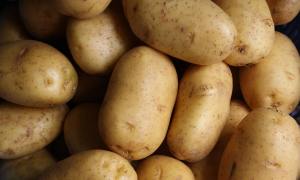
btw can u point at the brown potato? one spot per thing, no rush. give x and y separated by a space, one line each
284 11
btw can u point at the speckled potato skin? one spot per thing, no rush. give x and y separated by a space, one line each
29 167
196 31
25 130
284 11
197 119
137 107
163 167
275 81
265 146
92 165
35 74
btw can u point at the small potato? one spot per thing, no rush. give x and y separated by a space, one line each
137 107
35 74
29 167
163 167
275 81
25 130
284 11
265 146
92 165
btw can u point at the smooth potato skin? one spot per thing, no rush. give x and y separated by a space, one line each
275 81
284 11
266 146
137 107
198 120
35 74
92 165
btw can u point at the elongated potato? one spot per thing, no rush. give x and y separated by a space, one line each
266 146
275 81
201 110
196 31
137 107
284 11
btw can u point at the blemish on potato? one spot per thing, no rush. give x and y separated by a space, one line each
268 22
130 126
233 168
272 165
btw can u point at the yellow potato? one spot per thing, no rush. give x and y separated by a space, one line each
196 31
25 130
284 11
201 110
35 74
275 81
137 107
94 164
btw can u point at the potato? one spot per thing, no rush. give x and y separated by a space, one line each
275 81
25 130
42 20
97 43
196 31
255 30
28 167
266 146
35 74
81 9
284 11
81 129
94 164
201 110
137 107
163 167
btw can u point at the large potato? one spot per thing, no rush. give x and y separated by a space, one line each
137 107
201 110
275 81
196 31
284 11
25 130
92 165
35 74
265 146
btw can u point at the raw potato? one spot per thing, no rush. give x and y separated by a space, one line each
137 107
164 168
92 165
275 81
255 30
35 74
201 110
196 31
28 167
266 146
284 11
97 43
25 130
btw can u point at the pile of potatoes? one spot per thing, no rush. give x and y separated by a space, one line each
148 89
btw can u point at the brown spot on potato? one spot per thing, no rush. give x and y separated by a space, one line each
233 168
161 108
135 8
130 126
268 22
272 165
242 49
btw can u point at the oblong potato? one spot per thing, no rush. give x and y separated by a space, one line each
284 11
196 31
275 81
201 110
137 107
266 146
35 74
94 164
25 130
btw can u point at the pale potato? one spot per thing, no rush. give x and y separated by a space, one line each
284 11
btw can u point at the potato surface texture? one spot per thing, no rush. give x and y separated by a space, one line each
284 11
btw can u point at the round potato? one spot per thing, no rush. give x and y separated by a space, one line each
284 11
275 81
35 74
94 164
137 107
265 146
163 167
25 130
196 31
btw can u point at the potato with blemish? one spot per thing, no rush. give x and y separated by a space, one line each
139 100
275 81
284 11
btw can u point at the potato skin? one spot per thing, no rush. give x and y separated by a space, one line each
35 74
196 31
198 120
266 146
284 11
93 165
275 81
25 130
142 92
163 167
